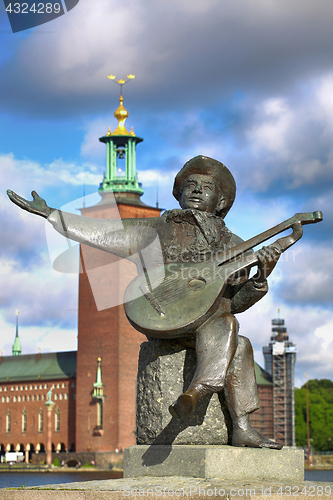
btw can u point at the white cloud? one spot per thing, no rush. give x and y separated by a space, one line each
292 136
152 177
307 277
326 332
324 98
14 173
273 130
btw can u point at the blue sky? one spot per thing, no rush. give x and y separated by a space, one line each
249 83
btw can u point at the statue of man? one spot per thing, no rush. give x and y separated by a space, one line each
206 190
49 394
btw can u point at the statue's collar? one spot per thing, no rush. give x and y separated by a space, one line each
191 215
210 225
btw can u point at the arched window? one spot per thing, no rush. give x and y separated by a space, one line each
40 421
100 413
8 421
57 420
24 421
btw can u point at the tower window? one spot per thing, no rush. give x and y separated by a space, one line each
57 421
8 422
100 413
40 421
24 421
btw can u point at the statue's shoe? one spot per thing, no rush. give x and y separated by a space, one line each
184 406
253 439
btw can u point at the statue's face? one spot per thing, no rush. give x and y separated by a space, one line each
200 192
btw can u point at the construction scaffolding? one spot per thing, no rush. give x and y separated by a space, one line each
280 357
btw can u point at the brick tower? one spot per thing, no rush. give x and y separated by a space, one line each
108 346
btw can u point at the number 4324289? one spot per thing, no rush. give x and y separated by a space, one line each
36 8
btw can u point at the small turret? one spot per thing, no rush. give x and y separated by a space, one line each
16 349
121 175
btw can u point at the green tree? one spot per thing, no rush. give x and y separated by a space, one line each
320 414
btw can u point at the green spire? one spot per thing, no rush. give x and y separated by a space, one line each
98 385
121 175
16 349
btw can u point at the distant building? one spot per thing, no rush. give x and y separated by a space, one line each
24 383
280 357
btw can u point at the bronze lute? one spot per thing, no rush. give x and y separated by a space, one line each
174 299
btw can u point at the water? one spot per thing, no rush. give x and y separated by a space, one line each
18 479
319 476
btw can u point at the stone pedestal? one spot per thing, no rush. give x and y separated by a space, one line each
166 368
195 446
226 462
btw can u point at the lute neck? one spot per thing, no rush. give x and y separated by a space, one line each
296 222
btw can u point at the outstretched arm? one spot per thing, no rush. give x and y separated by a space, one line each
123 238
37 206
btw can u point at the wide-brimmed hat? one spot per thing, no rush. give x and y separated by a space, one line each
207 166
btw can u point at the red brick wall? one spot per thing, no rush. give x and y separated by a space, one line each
107 334
30 397
262 419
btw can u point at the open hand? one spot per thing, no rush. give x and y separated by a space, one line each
267 257
37 206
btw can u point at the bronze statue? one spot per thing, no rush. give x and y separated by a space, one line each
203 284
